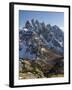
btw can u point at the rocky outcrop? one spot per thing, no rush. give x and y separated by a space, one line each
41 68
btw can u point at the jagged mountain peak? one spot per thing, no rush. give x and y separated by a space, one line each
37 34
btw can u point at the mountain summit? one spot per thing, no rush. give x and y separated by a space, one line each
50 36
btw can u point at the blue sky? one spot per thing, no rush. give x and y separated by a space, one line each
53 18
